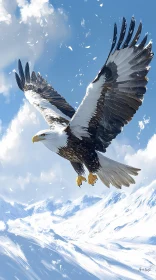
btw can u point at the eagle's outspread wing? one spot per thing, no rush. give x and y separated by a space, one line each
39 93
116 93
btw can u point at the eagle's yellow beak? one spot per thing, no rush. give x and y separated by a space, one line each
36 138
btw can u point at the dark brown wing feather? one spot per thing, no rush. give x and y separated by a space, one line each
116 93
39 93
123 90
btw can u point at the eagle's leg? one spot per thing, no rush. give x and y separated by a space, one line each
80 171
79 180
92 179
91 161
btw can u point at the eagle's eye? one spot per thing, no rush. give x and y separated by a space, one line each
43 134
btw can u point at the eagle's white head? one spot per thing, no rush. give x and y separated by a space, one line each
52 139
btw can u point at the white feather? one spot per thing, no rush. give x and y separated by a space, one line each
121 59
43 105
79 122
55 139
115 173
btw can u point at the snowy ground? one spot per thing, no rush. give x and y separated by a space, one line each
111 237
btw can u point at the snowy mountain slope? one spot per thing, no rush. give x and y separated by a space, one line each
27 258
11 210
115 216
112 237
64 210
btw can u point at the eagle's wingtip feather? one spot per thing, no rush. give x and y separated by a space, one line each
27 73
18 80
21 73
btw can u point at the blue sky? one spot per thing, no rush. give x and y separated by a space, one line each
87 28
65 68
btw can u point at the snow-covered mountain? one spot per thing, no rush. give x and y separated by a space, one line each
112 237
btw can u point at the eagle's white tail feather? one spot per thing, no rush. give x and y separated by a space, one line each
115 173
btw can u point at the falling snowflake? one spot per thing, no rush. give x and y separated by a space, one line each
69 47
142 125
83 22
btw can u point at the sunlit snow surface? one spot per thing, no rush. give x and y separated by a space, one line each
111 237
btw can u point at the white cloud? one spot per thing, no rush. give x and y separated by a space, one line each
21 3
12 142
146 160
4 15
4 84
38 9
2 226
38 27
0 125
30 170
27 29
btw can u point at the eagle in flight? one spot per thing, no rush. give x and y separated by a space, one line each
110 102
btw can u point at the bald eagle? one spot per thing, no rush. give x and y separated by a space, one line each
110 102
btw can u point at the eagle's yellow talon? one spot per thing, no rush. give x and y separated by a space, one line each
92 179
79 180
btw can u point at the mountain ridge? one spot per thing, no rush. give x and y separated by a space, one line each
107 237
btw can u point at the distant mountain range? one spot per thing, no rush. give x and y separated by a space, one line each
109 237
